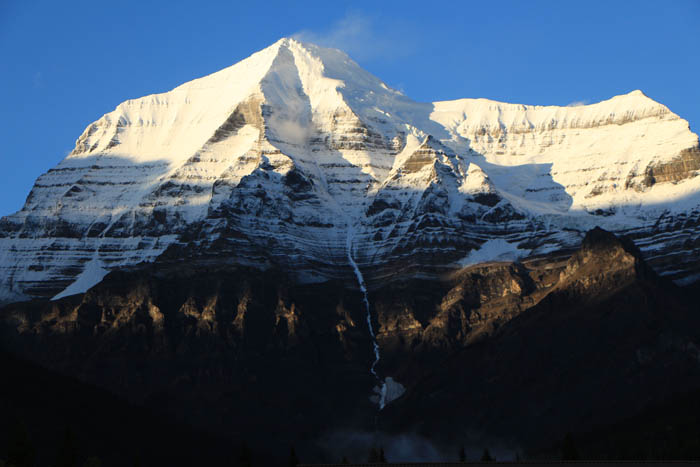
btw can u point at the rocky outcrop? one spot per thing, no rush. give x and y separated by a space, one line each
685 165
236 352
494 347
609 338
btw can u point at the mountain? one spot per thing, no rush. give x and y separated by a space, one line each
290 253
495 354
296 157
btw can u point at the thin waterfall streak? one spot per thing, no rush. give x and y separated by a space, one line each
365 299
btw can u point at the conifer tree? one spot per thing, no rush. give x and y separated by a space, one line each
293 459
344 460
568 448
245 458
382 457
373 457
67 451
92 462
486 456
20 451
462 454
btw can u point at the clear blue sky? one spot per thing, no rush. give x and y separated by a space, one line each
65 64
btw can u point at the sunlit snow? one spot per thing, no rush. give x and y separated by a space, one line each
165 161
494 250
91 275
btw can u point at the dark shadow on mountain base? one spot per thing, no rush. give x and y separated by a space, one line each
405 446
499 351
665 430
243 354
610 338
39 407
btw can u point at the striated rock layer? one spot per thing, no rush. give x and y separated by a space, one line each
518 352
287 157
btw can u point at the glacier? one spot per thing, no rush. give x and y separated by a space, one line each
271 162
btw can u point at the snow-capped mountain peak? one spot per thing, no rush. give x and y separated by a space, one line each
272 160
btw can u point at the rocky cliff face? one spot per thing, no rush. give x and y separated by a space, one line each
517 351
237 352
286 158
608 337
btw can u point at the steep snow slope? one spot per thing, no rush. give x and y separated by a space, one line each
629 161
272 160
611 142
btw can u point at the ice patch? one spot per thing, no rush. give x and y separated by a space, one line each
394 389
494 250
93 273
389 391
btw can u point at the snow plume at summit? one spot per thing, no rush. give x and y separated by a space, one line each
363 37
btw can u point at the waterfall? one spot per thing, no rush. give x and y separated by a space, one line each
381 388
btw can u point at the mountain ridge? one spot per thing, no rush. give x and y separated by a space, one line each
277 159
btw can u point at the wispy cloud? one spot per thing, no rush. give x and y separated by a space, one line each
578 103
357 34
38 80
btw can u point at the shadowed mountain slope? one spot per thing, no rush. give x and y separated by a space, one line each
520 353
